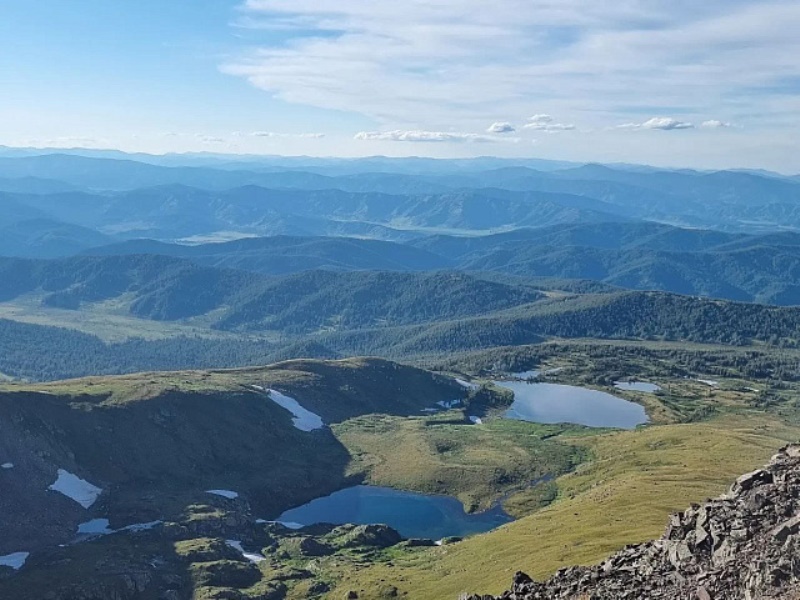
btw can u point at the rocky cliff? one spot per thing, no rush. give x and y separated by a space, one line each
743 545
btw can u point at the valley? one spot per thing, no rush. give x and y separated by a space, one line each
469 369
618 485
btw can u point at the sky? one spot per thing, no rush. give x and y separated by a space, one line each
713 84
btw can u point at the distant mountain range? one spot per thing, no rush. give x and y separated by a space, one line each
314 197
644 256
284 257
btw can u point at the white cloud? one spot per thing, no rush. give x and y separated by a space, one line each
208 139
272 134
715 124
547 123
443 65
421 136
66 141
661 123
501 127
388 59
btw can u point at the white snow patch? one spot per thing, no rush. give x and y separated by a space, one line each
303 419
7 466
476 420
709 382
16 561
430 410
95 527
466 384
75 488
288 524
224 493
449 403
137 527
237 545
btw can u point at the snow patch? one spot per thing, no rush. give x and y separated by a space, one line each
449 403
75 488
287 524
237 545
137 527
709 382
466 384
95 527
303 419
476 420
7 466
224 493
16 561
637 386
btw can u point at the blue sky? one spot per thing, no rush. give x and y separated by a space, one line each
674 82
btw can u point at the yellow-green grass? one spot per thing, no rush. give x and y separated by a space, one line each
622 496
109 320
475 463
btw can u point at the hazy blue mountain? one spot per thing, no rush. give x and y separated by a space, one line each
325 166
284 254
648 256
177 211
164 288
34 185
46 238
760 268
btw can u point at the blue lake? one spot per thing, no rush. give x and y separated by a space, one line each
553 403
413 515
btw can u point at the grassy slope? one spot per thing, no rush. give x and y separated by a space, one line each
477 464
110 321
622 496
156 441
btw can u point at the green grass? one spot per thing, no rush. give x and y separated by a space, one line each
622 496
443 455
109 320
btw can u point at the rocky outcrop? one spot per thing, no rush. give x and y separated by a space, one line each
743 545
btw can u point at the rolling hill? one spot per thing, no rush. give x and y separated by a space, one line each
154 443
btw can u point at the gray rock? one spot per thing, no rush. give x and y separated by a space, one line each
745 544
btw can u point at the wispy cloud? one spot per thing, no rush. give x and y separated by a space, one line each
208 139
421 136
450 59
66 141
443 65
272 134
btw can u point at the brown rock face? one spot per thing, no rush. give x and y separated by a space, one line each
744 545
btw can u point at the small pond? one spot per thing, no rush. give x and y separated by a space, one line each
413 515
554 403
